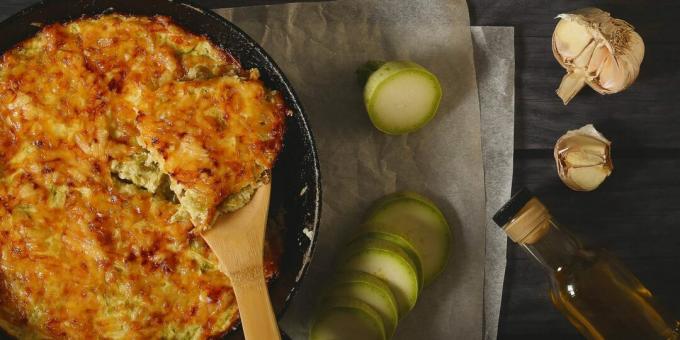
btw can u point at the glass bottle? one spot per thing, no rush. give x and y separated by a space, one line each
591 288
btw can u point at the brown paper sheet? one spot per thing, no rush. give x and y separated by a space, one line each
319 46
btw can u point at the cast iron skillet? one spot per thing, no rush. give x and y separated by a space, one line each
296 188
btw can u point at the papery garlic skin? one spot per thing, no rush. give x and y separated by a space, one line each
597 50
583 158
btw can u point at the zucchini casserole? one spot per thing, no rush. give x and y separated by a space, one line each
121 139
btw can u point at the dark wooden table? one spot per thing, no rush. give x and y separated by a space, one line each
636 212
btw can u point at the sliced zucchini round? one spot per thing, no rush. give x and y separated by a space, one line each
403 243
388 262
347 318
401 97
418 220
371 290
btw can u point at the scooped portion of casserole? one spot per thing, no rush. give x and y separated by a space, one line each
215 138
116 133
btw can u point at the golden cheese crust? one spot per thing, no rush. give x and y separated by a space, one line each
214 138
84 254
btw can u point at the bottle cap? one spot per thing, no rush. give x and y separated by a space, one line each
524 218
506 213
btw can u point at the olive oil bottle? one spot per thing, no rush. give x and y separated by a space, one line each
595 292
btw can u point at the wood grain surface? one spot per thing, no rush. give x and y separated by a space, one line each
636 213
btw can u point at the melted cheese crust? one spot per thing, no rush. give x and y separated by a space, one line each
84 255
213 137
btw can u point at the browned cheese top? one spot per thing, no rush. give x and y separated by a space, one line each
84 254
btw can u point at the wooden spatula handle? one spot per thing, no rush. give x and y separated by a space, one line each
257 316
237 239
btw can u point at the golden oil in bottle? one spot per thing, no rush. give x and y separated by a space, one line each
591 288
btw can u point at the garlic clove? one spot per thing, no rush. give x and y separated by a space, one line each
583 59
570 86
574 39
595 147
603 52
582 142
600 56
587 178
583 158
612 76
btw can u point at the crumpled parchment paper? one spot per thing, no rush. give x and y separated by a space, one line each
495 65
319 46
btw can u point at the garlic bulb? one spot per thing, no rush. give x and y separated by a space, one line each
583 158
597 50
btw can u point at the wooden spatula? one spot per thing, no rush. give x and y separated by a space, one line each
238 240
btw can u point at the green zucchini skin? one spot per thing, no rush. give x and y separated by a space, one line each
371 290
388 262
347 318
418 220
